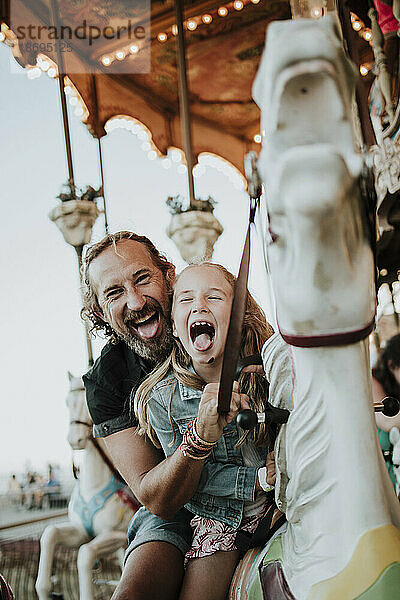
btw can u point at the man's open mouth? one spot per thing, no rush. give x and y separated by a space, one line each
147 326
202 335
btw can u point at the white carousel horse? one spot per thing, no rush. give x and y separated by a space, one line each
98 519
342 540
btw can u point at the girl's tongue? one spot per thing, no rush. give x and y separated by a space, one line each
203 342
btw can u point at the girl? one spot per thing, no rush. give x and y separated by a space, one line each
231 492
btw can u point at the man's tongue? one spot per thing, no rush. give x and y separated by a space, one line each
148 329
202 342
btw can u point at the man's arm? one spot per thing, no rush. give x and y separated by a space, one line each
164 487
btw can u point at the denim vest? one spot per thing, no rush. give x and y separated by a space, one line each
225 482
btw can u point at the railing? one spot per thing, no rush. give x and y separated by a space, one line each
39 499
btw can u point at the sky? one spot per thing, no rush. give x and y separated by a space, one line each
42 333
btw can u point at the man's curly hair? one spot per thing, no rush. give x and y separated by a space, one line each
90 301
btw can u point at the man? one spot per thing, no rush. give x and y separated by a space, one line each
127 292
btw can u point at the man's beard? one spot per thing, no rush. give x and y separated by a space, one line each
153 350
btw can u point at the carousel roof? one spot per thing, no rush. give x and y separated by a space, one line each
224 45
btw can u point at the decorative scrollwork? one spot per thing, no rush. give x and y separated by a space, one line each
386 165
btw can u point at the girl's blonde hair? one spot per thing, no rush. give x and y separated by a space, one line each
256 330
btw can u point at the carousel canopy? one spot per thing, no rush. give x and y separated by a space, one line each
133 71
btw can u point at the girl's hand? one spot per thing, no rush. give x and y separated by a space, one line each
271 468
209 422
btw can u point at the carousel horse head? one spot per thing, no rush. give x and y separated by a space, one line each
341 510
318 252
80 423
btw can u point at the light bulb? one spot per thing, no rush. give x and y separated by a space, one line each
175 155
316 12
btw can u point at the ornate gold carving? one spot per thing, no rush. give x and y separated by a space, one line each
386 164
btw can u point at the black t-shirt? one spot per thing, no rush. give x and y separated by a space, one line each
109 384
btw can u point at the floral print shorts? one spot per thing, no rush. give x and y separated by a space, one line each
211 536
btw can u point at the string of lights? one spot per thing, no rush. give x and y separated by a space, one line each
45 64
366 33
190 24
175 157
8 37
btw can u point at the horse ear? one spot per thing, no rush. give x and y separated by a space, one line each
70 376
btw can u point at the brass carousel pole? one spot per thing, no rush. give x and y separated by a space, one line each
102 185
61 84
96 109
195 229
61 216
184 100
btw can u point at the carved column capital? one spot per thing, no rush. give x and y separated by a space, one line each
195 233
75 220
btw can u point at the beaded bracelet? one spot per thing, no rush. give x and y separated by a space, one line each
192 432
193 445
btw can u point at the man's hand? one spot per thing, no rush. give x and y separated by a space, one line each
266 477
271 468
254 369
210 422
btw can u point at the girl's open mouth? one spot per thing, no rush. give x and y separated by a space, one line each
202 335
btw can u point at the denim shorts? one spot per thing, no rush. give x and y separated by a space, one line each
146 527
